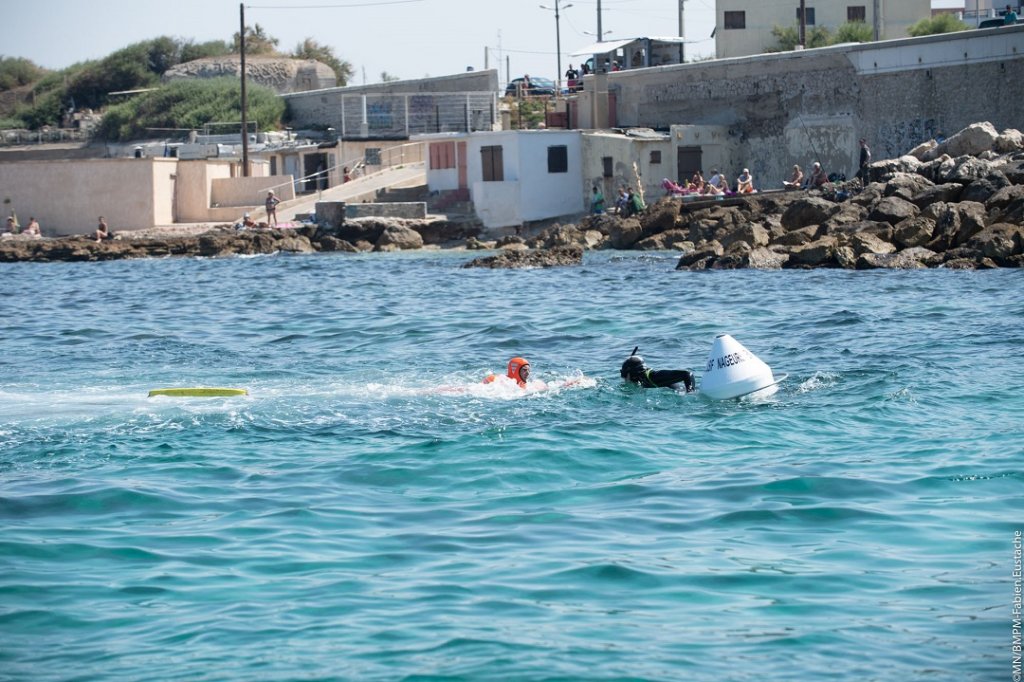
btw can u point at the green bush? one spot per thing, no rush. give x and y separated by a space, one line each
188 105
941 23
854 32
788 37
15 72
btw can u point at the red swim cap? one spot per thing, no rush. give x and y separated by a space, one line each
515 366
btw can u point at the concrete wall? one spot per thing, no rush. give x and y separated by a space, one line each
195 178
798 107
405 209
632 164
247 192
67 197
896 16
528 191
390 109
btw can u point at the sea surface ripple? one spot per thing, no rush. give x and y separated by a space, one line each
371 511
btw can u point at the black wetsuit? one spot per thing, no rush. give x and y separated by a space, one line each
664 378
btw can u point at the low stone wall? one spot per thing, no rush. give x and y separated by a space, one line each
251 191
411 210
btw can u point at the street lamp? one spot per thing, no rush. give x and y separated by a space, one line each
558 46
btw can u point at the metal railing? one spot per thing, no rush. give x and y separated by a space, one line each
392 157
15 137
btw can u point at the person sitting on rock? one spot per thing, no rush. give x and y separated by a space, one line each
102 231
636 372
697 181
745 183
795 180
818 178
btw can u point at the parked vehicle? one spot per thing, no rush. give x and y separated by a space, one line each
538 86
994 23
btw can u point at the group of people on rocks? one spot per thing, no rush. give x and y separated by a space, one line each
716 185
12 227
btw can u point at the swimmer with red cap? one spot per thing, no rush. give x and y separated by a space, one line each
518 371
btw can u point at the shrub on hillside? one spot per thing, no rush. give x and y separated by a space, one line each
189 105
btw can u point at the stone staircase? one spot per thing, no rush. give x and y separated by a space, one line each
451 202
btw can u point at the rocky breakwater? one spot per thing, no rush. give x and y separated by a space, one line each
959 204
221 241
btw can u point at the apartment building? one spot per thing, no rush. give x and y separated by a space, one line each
744 27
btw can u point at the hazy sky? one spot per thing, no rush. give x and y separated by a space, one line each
406 38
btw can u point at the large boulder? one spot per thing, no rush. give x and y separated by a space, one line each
815 254
296 244
971 141
956 224
966 170
906 185
660 217
398 238
761 258
624 233
886 169
331 243
903 260
893 210
883 231
751 233
1004 197
536 258
980 190
805 235
865 242
678 240
808 211
847 214
921 151
913 232
361 229
1009 141
868 195
1012 213
998 242
698 259
947 191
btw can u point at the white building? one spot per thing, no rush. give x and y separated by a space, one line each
744 27
512 177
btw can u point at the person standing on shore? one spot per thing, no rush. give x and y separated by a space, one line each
271 206
597 202
865 159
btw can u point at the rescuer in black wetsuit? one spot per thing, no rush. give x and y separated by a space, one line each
635 371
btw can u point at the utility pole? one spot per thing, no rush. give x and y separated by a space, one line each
245 115
681 34
803 24
600 34
558 46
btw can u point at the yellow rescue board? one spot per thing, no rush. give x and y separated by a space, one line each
198 392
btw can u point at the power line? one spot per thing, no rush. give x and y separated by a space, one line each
353 4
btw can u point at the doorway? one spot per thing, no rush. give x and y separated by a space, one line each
688 162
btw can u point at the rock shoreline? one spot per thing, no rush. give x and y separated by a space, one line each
958 204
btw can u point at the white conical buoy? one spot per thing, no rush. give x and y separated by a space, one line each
733 371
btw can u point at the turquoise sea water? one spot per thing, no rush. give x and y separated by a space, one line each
372 512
